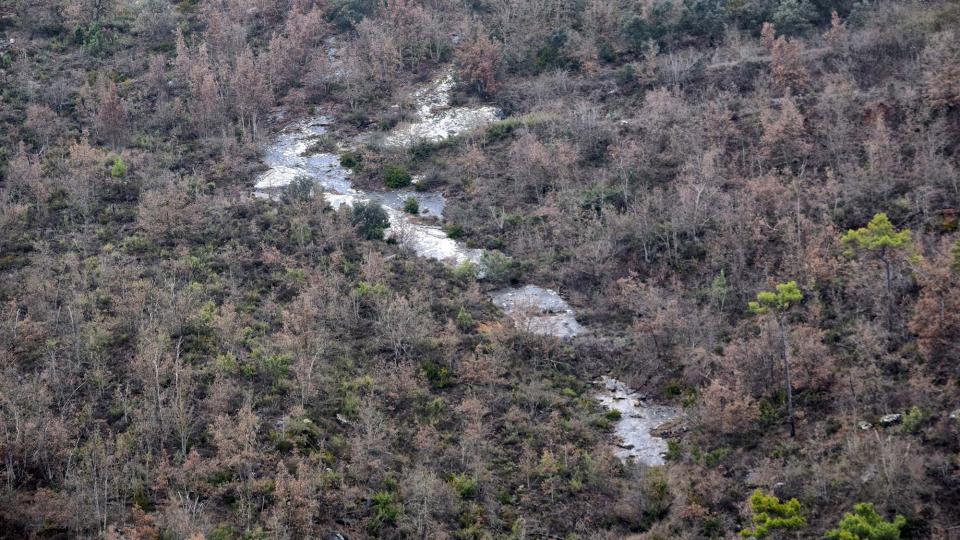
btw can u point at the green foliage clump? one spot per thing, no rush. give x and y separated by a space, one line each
386 510
119 168
499 267
674 450
226 363
878 236
464 485
786 295
771 515
656 496
411 206
351 160
794 16
324 143
344 14
437 375
500 130
366 290
955 257
552 55
465 321
913 419
703 18
92 39
224 531
866 524
612 415
639 30
300 190
454 231
396 176
370 219
465 271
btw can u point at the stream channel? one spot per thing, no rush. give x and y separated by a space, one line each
531 308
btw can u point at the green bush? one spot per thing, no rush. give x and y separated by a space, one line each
465 271
351 160
464 485
411 206
92 39
438 376
914 419
386 510
703 18
300 190
553 56
498 267
224 531
674 451
325 143
119 168
396 176
454 231
370 219
638 30
503 128
465 321
794 16
346 13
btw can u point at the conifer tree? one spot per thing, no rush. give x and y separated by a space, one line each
778 303
866 524
770 515
883 241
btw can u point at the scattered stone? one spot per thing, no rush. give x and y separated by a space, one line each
888 420
671 428
864 425
539 311
436 119
955 415
641 428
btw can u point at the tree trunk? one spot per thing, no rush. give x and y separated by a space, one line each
785 352
886 268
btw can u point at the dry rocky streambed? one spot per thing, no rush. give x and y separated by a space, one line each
531 308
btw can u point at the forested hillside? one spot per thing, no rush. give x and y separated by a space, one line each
746 213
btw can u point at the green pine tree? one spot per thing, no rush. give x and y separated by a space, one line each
770 515
866 524
778 303
883 241
119 168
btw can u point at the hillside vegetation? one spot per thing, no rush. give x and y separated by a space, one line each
752 206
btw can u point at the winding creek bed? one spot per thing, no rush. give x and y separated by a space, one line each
531 308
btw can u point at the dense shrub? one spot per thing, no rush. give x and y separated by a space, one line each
411 206
396 175
370 220
351 160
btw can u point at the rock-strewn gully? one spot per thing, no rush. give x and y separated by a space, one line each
531 308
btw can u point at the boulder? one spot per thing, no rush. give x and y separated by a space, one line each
888 420
864 425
